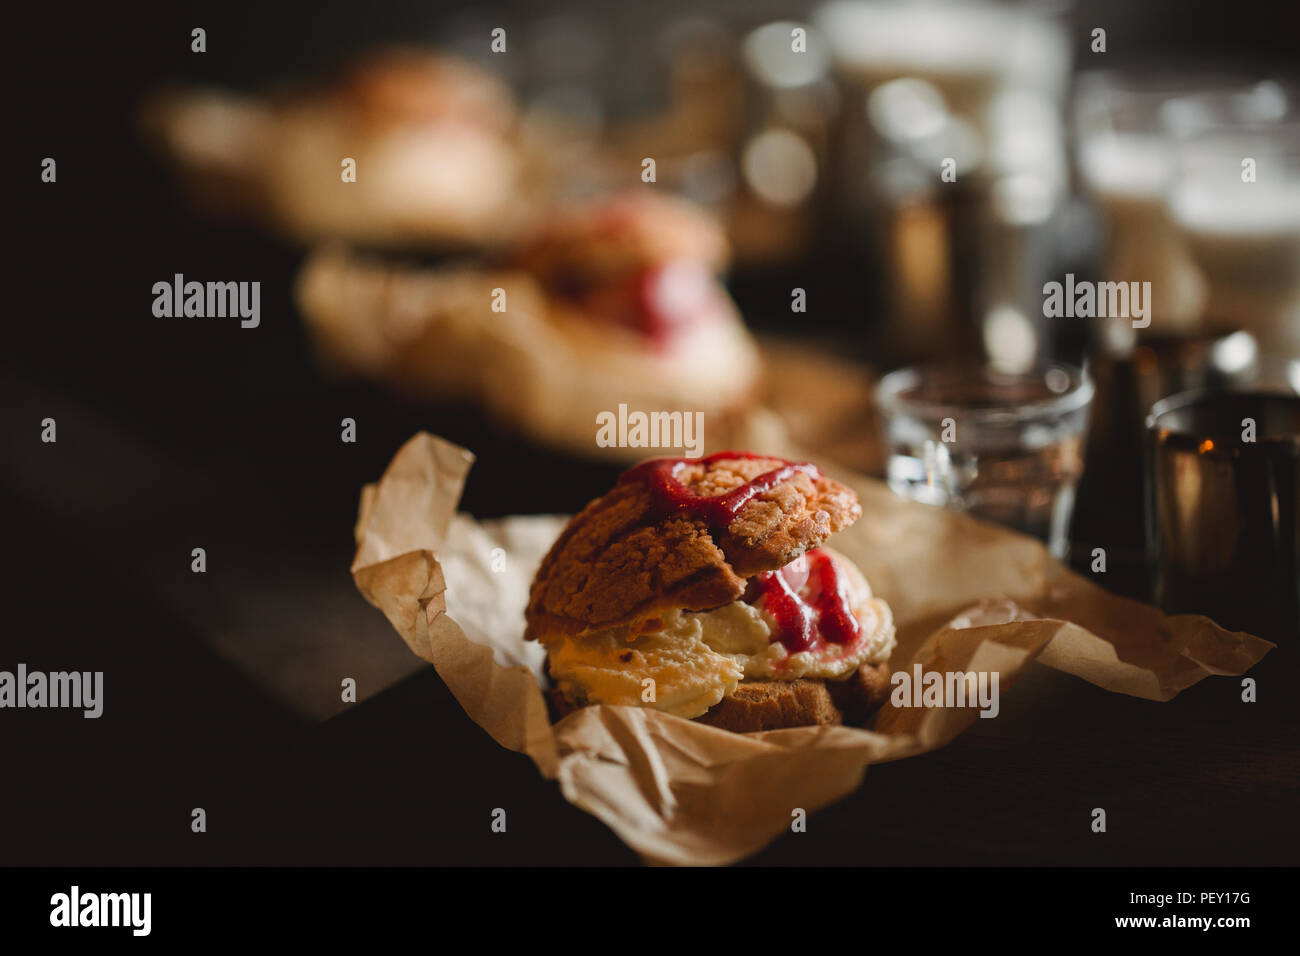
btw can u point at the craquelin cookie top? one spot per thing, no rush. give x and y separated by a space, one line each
682 534
622 234
408 85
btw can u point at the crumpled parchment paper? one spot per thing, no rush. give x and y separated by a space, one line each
966 595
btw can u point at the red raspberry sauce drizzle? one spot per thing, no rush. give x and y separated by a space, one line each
718 511
819 605
806 599
658 303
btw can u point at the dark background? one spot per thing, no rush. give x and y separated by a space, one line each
172 433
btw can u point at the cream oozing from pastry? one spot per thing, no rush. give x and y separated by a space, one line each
695 659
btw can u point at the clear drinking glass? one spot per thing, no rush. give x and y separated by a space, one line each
1006 447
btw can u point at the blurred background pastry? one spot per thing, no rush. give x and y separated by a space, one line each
614 301
432 140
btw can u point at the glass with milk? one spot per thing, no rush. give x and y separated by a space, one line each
1126 160
1236 200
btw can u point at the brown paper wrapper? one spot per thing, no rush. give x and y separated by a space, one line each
967 596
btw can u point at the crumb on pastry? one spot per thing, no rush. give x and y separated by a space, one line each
772 705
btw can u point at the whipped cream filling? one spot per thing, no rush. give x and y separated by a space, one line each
695 659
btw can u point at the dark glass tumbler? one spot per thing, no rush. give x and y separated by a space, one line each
1223 509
